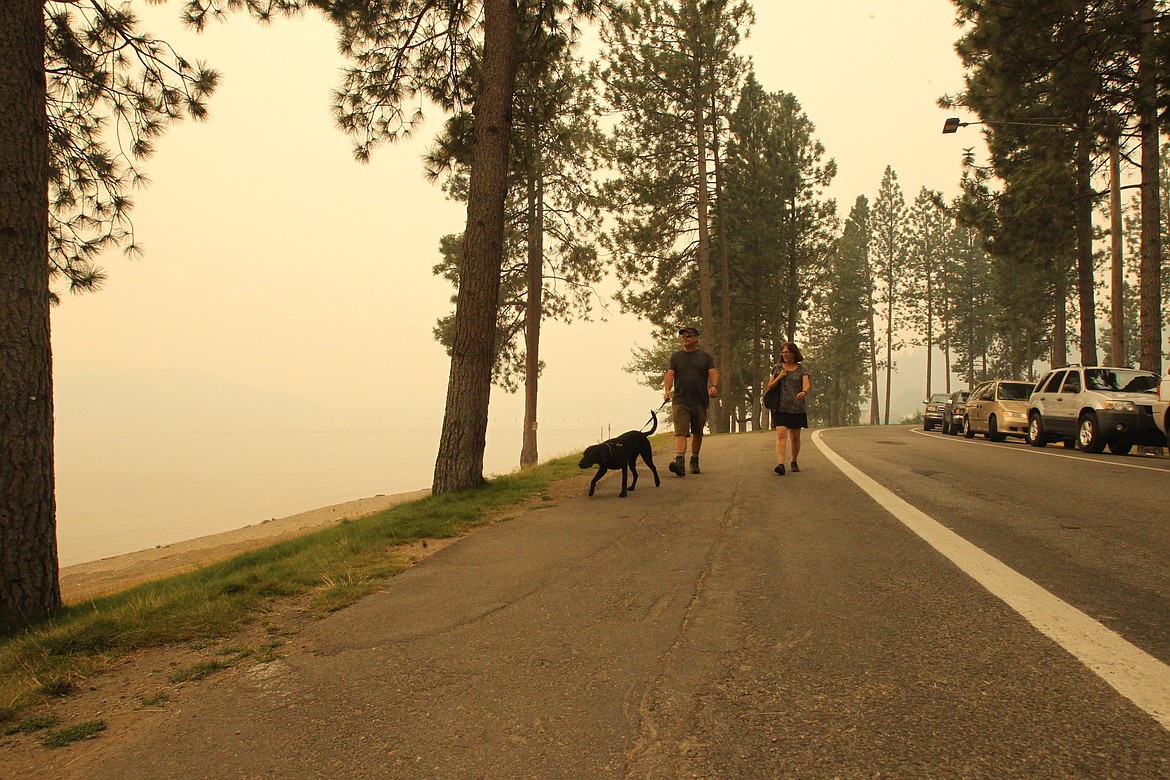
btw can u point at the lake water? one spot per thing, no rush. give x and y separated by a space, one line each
122 491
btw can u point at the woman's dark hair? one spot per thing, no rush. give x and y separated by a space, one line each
795 350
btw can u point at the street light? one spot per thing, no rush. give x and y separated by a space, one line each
952 124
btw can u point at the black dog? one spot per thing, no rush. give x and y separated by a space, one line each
622 452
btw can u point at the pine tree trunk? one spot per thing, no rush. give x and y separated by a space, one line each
726 390
28 529
1150 293
706 293
874 401
1084 229
929 321
1060 323
532 316
459 465
1117 259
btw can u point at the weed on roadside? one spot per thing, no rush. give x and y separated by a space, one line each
31 725
67 735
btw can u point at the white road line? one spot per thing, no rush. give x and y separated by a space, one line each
1134 673
1023 447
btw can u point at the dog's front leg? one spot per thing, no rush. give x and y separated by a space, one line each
625 475
600 473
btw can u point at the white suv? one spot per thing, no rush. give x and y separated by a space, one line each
1162 405
1094 406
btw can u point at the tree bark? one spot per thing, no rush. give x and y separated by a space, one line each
459 465
728 390
29 586
874 401
1117 275
1084 229
533 313
703 251
1150 291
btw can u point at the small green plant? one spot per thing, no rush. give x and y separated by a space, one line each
267 652
31 725
204 668
57 687
157 700
57 738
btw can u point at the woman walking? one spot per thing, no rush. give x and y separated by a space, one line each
789 416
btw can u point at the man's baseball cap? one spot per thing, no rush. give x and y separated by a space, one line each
688 331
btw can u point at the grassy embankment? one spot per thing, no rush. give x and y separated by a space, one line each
329 568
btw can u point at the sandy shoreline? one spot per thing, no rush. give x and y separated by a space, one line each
95 578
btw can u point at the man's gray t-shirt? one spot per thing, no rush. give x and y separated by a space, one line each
690 377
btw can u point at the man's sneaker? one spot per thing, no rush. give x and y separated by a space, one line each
795 468
677 467
779 468
695 466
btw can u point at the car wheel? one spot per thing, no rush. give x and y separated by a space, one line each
946 429
967 432
927 425
993 430
1035 435
1089 437
1120 447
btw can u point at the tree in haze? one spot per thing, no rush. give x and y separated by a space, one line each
670 67
778 223
807 216
887 221
837 328
928 248
970 306
74 79
552 265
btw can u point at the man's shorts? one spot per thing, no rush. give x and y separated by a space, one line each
688 419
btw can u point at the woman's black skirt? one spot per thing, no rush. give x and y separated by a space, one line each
789 419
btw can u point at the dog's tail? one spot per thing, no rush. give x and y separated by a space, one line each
653 422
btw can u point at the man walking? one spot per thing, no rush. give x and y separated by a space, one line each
694 381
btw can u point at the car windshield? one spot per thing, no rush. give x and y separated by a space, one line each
939 398
1126 380
1014 391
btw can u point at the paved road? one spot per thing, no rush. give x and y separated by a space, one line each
734 624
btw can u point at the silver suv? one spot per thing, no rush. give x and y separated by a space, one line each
1094 406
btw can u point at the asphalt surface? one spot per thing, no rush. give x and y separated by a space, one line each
733 624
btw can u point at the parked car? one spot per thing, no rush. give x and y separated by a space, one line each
1095 406
953 412
1162 406
997 409
934 411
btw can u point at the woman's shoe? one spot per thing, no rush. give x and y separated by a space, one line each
795 468
779 468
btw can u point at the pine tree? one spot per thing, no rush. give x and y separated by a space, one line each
70 75
888 255
837 328
779 222
402 51
927 244
552 265
670 66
